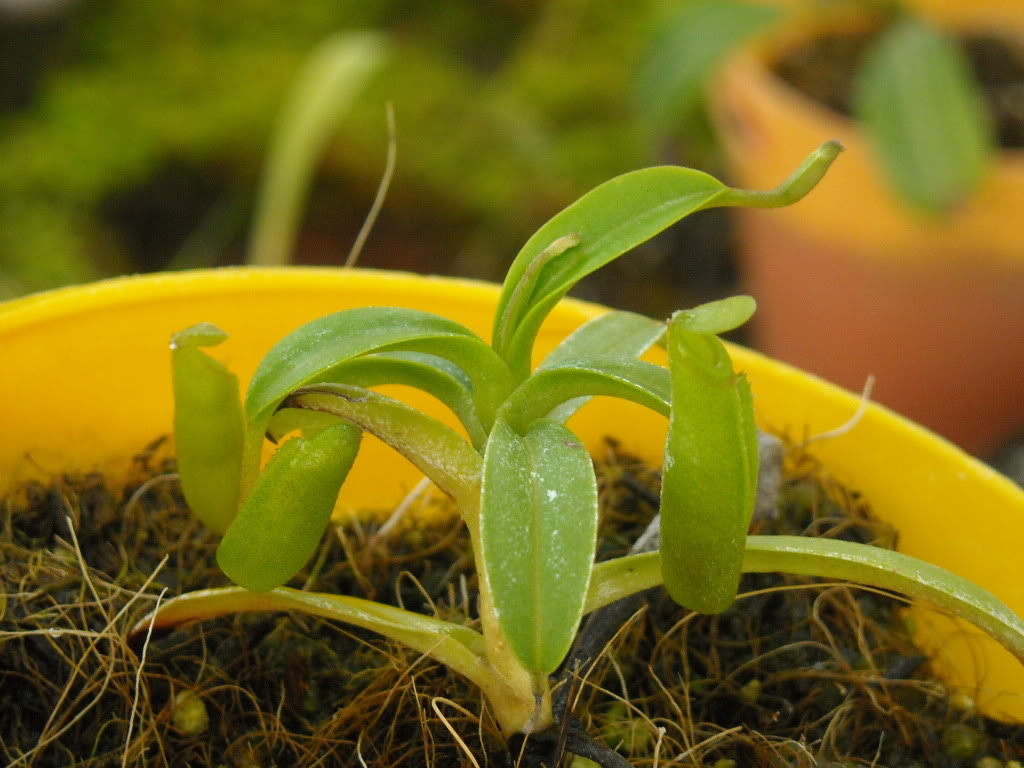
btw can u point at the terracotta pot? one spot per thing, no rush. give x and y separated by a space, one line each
87 384
852 282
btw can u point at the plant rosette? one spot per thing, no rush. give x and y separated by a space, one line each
857 281
101 381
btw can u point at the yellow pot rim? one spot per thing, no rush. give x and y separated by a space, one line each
88 384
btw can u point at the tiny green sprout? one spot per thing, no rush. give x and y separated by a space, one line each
522 481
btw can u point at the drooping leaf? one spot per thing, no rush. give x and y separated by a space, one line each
709 476
538 525
314 349
833 559
208 427
335 73
548 391
434 448
284 517
429 373
924 114
686 49
458 647
615 334
608 221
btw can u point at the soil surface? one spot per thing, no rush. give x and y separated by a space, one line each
797 673
826 67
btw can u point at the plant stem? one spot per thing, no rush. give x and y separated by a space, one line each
792 189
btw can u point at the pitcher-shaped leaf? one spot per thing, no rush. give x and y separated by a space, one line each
710 472
284 516
208 427
538 525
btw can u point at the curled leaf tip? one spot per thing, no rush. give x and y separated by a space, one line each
794 188
200 335
832 148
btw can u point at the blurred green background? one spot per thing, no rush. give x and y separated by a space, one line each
132 134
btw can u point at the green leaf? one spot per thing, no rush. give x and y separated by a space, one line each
429 373
608 221
288 420
548 392
199 335
436 449
333 77
685 51
924 114
832 559
314 349
719 316
887 569
458 647
709 474
283 518
208 427
538 524
615 334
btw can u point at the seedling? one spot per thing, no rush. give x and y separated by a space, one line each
521 479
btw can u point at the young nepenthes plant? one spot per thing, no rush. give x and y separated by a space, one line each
523 482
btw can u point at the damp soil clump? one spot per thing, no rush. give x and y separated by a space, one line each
825 69
797 673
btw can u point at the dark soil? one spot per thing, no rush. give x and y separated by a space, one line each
825 70
798 673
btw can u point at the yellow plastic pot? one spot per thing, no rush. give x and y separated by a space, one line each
851 281
86 385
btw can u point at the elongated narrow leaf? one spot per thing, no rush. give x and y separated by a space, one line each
458 647
311 351
832 559
429 373
284 517
333 76
709 476
208 427
924 114
616 334
546 393
436 449
538 525
608 221
686 49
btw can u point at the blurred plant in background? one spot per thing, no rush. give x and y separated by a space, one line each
139 143
908 264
